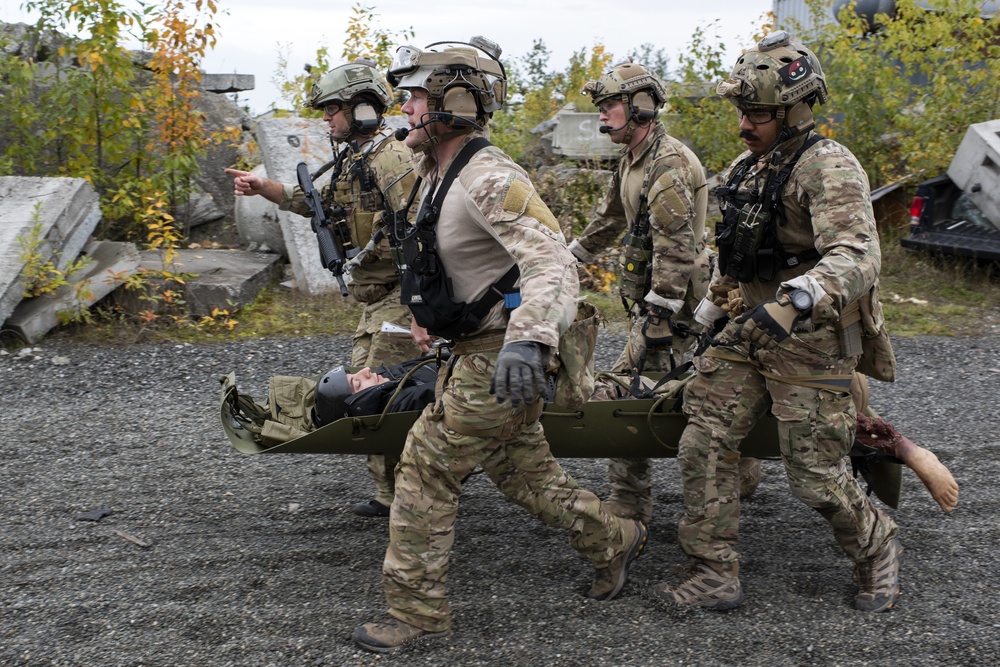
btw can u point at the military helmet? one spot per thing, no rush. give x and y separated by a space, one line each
464 82
342 84
778 71
332 392
638 88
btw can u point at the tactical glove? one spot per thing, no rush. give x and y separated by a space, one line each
520 372
767 324
727 297
657 332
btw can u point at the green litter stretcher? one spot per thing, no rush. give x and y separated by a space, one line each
626 428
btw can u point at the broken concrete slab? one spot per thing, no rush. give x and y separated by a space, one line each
284 143
110 264
224 279
67 211
227 83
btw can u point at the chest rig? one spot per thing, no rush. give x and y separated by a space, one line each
426 288
356 193
637 244
747 237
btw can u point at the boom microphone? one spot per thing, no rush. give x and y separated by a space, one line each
607 129
403 132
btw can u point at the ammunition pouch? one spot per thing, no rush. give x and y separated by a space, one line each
636 265
748 237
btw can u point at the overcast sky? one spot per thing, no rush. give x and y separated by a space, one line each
252 30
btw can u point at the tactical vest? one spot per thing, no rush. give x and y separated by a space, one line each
746 237
426 289
357 192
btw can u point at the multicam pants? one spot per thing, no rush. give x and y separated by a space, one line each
815 431
437 457
631 479
374 347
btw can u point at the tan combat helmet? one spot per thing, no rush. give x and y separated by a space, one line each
362 92
465 82
637 87
778 72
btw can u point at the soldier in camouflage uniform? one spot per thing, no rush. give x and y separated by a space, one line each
488 398
372 177
798 239
659 197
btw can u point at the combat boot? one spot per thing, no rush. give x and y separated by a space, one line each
705 588
390 635
371 508
610 580
878 578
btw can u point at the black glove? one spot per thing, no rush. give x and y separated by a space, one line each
520 372
768 323
657 332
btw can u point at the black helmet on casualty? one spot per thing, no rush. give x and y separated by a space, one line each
332 392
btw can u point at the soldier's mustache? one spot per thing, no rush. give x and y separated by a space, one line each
748 135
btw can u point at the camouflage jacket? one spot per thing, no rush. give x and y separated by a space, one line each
388 163
677 196
491 218
827 205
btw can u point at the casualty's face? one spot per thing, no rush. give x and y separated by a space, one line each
364 379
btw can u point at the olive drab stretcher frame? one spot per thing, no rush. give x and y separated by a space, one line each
625 428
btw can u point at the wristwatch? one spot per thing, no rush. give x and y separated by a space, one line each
801 301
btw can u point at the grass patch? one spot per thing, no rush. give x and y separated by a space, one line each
924 294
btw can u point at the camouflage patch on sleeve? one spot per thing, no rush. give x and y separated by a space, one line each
522 199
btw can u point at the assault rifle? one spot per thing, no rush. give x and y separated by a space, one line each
333 236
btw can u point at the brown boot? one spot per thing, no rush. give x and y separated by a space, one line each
390 635
704 587
610 580
878 578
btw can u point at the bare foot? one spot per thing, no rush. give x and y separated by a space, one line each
880 434
934 474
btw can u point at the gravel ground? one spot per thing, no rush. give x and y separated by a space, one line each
258 560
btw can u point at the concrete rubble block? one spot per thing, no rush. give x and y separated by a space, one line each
976 168
577 135
110 264
68 211
223 279
284 143
227 83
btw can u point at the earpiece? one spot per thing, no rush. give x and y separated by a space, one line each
643 107
460 103
364 119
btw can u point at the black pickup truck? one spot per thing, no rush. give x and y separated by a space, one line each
941 221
